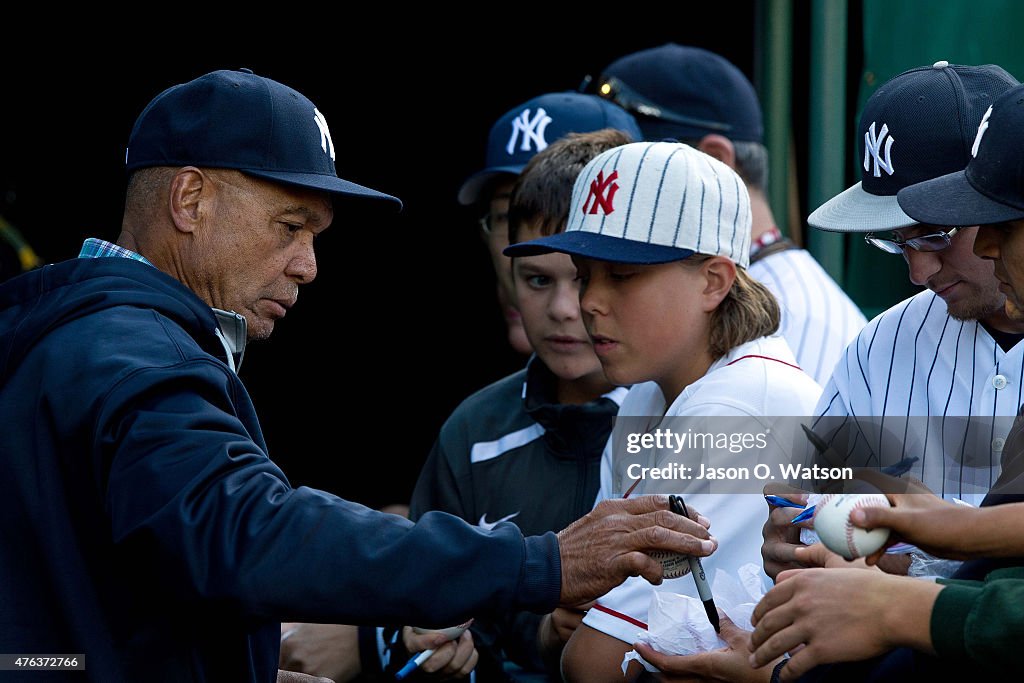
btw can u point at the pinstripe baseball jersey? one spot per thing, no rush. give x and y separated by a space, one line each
818 318
960 389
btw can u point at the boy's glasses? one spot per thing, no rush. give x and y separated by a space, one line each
936 241
621 94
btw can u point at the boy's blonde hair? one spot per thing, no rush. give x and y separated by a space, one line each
749 311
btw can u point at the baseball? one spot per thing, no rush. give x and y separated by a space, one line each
832 524
673 565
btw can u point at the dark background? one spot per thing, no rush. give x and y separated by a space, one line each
401 323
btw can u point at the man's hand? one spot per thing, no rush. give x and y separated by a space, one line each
816 609
728 664
938 527
450 659
604 547
781 538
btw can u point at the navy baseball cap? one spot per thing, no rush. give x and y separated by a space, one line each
241 121
685 93
652 202
916 126
530 127
991 188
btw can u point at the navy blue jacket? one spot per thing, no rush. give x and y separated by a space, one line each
143 524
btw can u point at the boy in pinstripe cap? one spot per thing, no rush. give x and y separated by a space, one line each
660 235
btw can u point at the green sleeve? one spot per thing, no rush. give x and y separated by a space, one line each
982 622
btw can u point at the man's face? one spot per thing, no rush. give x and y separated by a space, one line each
966 282
1003 245
255 247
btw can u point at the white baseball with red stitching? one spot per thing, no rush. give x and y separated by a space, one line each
832 524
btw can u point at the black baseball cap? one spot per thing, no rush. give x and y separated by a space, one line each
916 126
991 188
683 92
241 121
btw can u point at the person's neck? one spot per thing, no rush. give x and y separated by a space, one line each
1003 323
582 389
162 259
763 219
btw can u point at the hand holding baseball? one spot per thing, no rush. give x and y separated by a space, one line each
834 528
607 545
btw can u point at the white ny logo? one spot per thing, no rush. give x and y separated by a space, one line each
872 145
325 134
531 130
982 127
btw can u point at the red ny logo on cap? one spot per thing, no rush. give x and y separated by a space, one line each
598 187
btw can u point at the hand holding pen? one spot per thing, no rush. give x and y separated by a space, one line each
453 653
697 569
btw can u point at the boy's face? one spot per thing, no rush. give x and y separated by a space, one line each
496 237
549 301
647 322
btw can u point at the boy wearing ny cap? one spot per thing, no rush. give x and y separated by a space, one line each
147 535
514 138
947 354
660 235
695 96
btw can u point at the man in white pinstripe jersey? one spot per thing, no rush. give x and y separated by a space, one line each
948 357
695 96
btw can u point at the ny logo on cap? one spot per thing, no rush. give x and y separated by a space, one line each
532 129
325 134
598 187
982 127
872 146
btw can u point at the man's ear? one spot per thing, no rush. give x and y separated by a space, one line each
719 147
189 187
719 274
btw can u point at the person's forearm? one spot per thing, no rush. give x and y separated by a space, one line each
908 614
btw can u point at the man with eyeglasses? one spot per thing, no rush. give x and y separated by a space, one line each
514 139
698 97
936 377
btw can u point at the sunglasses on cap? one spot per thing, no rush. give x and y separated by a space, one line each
936 241
613 89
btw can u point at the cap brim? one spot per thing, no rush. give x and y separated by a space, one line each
599 247
471 190
856 210
332 184
952 200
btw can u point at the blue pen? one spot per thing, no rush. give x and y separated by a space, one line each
779 501
412 664
902 467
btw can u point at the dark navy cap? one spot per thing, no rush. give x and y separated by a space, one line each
530 127
916 126
241 121
991 188
685 93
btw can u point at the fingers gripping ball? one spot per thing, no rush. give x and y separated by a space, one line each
673 565
832 524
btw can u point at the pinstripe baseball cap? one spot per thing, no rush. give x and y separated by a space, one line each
245 122
917 125
652 202
991 188
530 127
